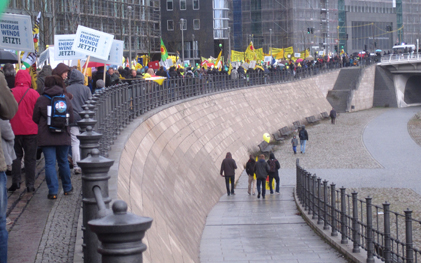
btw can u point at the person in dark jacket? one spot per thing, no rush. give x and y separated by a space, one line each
8 108
274 166
294 143
228 167
62 70
250 172
99 74
303 138
45 72
333 116
25 131
55 146
262 170
9 73
81 94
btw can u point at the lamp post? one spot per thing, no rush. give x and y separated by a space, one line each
182 38
193 55
229 43
129 9
270 31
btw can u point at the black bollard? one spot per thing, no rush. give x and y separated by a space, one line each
121 235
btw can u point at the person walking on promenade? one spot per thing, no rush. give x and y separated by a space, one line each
262 170
273 172
55 145
250 172
81 94
303 138
25 131
8 108
228 167
333 115
294 143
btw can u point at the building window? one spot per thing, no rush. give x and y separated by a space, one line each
170 25
170 5
195 4
196 24
182 4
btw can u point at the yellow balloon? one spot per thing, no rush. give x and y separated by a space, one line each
266 137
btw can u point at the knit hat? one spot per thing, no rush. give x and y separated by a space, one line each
100 84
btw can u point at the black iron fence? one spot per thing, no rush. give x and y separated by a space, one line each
383 233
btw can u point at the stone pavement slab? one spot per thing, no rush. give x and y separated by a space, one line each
242 228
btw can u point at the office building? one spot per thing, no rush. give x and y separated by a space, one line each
63 17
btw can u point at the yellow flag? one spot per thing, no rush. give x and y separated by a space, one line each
237 56
280 54
260 55
288 51
250 53
218 60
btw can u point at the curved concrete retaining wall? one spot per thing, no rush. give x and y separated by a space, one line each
169 168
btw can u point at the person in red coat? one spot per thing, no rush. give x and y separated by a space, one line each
25 130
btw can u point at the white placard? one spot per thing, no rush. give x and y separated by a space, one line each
63 48
53 62
252 64
92 42
115 57
44 56
245 66
268 58
234 64
169 62
16 32
297 55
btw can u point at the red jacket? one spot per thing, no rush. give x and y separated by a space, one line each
22 123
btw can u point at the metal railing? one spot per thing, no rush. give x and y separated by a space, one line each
117 106
383 233
400 57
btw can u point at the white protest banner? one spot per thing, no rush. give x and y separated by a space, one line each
115 57
63 48
252 64
169 62
44 56
16 32
234 64
245 65
92 42
297 55
268 58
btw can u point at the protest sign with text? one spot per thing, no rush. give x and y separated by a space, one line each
92 42
16 32
63 48
116 54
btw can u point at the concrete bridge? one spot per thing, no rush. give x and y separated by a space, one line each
404 71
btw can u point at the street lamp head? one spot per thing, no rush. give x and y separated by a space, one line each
129 8
220 45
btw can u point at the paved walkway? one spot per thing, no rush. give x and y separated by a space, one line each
387 141
242 228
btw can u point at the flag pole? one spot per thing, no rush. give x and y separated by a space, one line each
86 65
104 73
19 62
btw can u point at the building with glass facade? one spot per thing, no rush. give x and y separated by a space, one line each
325 25
111 16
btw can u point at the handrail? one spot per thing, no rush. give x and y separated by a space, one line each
359 221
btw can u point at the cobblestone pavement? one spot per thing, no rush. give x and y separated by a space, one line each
43 230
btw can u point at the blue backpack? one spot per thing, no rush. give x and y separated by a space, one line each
57 113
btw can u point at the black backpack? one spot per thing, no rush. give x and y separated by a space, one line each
58 116
272 166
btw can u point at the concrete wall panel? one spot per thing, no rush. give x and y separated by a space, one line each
169 169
